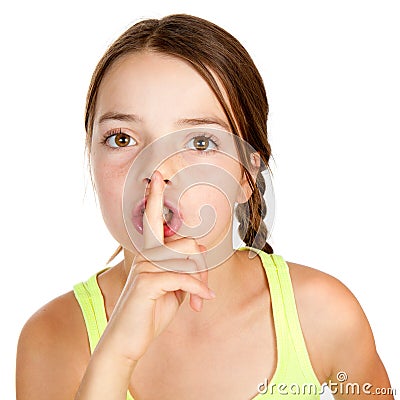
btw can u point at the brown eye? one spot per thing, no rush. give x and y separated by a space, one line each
203 144
120 139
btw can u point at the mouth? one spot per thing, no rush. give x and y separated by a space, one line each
171 217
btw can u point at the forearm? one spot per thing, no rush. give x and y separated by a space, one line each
107 377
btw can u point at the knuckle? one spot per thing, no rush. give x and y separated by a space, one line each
141 279
138 259
188 245
143 267
191 280
138 266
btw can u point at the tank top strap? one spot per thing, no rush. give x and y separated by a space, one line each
292 355
278 310
91 302
292 317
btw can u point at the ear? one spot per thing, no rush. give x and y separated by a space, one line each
245 190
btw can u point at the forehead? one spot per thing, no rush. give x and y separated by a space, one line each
153 85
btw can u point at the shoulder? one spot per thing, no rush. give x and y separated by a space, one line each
57 322
325 296
52 350
323 292
334 324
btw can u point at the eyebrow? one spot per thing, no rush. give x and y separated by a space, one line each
203 121
118 117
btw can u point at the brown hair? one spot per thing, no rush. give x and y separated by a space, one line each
206 47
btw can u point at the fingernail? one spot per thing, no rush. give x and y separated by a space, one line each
154 176
212 293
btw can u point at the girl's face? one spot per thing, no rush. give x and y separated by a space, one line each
142 98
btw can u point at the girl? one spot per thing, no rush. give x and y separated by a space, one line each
255 326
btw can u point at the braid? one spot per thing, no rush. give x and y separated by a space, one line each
116 252
252 229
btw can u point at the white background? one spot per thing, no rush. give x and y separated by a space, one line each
331 71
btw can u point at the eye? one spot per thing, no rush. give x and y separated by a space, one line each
118 138
203 143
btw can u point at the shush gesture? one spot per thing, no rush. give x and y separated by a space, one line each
153 293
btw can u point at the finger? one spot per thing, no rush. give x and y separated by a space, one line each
146 267
155 255
204 276
153 223
183 248
155 285
196 302
165 266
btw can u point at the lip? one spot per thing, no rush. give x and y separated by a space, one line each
170 228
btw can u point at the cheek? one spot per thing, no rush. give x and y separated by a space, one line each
109 172
109 181
199 196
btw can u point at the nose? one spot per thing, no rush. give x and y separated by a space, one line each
168 168
148 180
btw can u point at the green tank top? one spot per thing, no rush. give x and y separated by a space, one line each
294 377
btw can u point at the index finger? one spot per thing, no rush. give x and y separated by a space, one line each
153 222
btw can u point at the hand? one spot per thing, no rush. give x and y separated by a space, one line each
152 296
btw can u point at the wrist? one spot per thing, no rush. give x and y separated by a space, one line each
110 355
107 376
